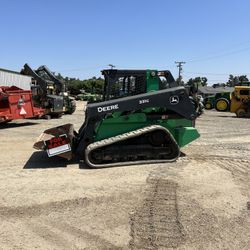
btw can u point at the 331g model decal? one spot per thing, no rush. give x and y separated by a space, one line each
143 101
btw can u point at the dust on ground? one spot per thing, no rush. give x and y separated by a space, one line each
199 202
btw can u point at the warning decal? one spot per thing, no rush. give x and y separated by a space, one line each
22 111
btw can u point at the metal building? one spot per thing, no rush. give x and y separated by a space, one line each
10 78
209 90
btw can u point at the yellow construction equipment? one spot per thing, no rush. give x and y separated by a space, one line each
240 101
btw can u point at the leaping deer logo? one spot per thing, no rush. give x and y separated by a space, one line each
174 99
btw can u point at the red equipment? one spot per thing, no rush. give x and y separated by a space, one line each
16 103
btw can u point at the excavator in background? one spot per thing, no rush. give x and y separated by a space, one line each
144 117
49 92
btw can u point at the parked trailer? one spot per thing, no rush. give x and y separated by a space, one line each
16 103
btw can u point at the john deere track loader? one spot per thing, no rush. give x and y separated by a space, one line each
144 117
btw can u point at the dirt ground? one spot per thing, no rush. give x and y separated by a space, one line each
200 202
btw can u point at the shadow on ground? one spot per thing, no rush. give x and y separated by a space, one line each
227 116
40 159
16 125
182 154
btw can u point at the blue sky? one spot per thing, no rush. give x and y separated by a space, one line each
79 38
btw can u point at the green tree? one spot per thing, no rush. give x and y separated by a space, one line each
93 85
216 85
200 81
76 86
243 78
236 80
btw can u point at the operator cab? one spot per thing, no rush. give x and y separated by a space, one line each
122 83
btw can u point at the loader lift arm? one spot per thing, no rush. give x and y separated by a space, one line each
60 86
44 77
27 70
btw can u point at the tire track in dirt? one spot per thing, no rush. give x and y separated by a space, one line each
156 223
232 134
228 146
216 157
239 168
57 206
48 235
40 209
51 230
75 232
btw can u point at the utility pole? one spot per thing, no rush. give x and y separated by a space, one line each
179 66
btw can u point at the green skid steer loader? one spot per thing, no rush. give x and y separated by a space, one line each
144 117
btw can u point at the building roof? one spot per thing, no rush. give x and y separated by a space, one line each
208 90
10 71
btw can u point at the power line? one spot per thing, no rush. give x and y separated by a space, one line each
218 56
215 74
206 73
81 69
232 50
97 67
